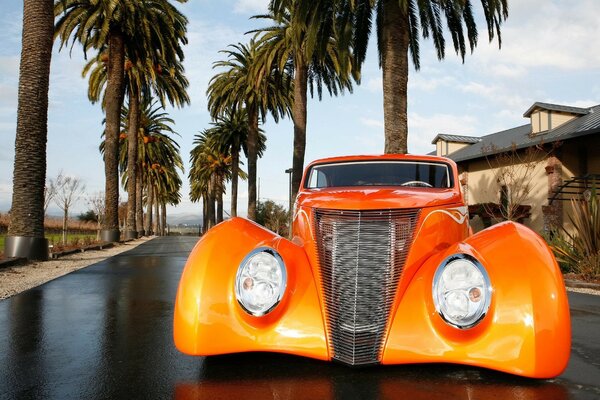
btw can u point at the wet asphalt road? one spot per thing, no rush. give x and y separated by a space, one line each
105 332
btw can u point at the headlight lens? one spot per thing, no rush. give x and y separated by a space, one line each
260 281
461 291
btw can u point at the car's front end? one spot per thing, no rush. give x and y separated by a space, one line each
380 270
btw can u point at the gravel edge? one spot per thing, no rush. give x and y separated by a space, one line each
18 278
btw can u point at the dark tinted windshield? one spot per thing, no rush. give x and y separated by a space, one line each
380 173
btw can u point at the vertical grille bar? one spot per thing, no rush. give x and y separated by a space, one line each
361 255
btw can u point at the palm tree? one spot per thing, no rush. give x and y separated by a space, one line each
199 188
208 173
142 30
26 229
142 81
399 25
320 58
229 134
163 178
169 186
157 155
238 87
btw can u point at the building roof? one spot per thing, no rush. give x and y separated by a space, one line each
521 137
556 107
455 138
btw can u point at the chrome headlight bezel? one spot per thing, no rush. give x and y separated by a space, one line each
238 284
484 289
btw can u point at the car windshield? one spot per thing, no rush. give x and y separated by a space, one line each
380 173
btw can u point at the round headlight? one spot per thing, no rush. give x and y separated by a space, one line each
260 281
461 291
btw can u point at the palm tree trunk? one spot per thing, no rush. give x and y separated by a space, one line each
132 158
139 210
211 204
394 63
113 100
252 144
149 209
299 116
156 213
163 216
219 203
235 170
26 229
204 213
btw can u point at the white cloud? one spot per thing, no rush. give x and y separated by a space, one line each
374 85
420 81
8 97
372 123
205 42
370 142
10 34
505 97
541 33
5 196
507 71
9 65
251 6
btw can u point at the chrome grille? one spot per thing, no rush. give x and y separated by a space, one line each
361 256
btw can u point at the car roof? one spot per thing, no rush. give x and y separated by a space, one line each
382 157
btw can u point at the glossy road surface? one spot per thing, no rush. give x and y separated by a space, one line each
105 332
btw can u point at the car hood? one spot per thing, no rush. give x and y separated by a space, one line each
377 198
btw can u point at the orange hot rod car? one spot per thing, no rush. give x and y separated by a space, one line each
382 268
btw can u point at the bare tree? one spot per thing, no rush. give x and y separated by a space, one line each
68 190
513 171
49 193
97 204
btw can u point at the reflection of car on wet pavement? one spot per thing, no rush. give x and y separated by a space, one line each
382 269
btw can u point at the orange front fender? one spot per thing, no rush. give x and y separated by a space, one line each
527 329
208 319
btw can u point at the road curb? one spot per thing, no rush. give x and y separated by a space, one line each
99 246
581 285
11 262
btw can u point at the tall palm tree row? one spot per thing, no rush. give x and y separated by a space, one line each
142 30
209 170
399 25
237 87
229 133
168 84
142 82
26 229
156 127
160 170
158 159
317 49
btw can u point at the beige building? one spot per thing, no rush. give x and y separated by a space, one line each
529 172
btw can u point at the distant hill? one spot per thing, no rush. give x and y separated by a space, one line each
184 219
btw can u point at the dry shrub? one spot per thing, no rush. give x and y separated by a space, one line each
54 223
4 220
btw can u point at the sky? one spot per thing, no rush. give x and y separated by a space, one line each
549 54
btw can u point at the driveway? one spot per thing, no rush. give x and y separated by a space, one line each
105 332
